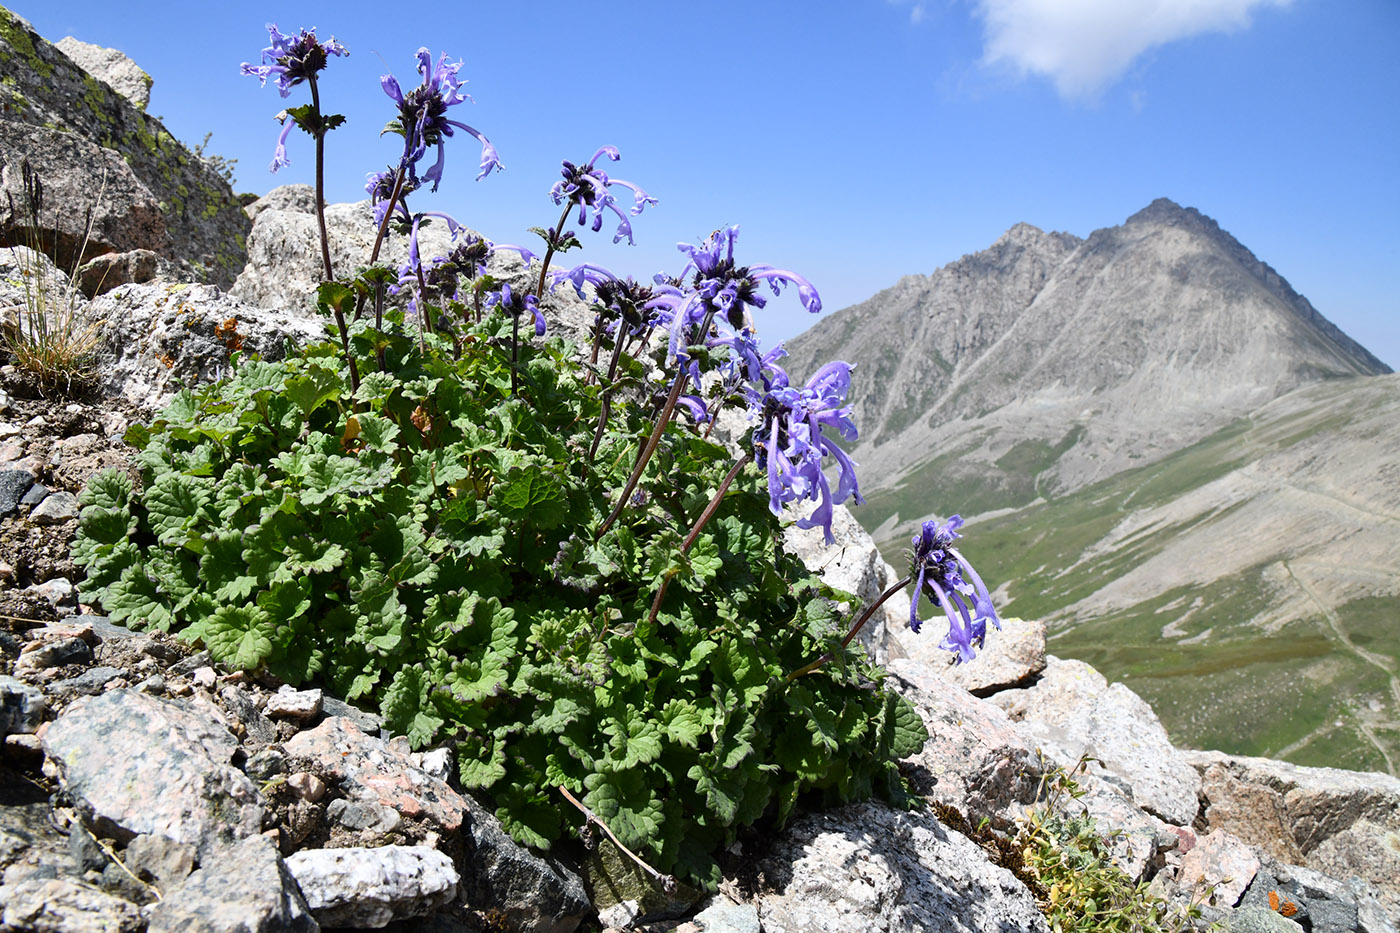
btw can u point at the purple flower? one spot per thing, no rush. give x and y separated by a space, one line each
588 187
722 290
790 444
515 304
292 59
423 121
938 569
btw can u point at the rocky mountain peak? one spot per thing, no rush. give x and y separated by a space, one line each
1101 353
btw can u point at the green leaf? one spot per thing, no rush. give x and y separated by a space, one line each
481 763
533 495
240 636
407 710
173 503
626 802
704 558
636 741
136 601
683 723
314 387
110 489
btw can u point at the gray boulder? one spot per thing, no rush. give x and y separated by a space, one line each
158 339
60 905
872 869
359 887
111 67
1072 711
295 198
78 175
241 888
528 891
284 248
975 760
1343 823
134 764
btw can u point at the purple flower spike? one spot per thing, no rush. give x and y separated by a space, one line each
423 121
292 59
516 304
587 186
938 570
790 443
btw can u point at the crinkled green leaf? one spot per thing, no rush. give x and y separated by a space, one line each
173 503
240 636
627 803
407 709
683 723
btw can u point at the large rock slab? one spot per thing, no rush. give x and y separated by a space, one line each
244 888
1072 712
158 339
530 892
1342 823
112 67
284 248
980 763
204 227
78 176
133 764
872 869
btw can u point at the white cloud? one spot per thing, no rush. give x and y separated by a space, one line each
1083 45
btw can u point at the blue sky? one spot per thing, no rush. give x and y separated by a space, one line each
853 141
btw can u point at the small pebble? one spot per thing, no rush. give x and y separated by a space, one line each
58 507
36 422
204 677
153 685
307 786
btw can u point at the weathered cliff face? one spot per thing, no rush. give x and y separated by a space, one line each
95 149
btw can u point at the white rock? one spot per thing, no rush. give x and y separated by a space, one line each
370 887
290 703
872 869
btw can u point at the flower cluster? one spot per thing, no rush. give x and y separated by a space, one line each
789 443
721 291
422 119
292 59
587 187
938 570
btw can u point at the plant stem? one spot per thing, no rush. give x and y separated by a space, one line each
549 249
661 421
860 623
695 529
606 400
321 177
667 882
514 351
647 450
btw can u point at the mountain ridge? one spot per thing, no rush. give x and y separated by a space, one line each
1167 455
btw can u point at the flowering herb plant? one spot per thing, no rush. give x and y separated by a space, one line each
509 548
